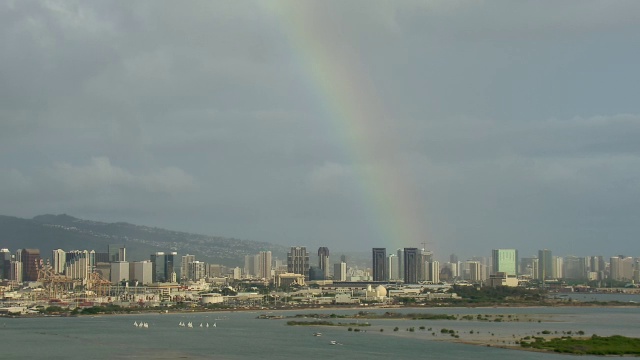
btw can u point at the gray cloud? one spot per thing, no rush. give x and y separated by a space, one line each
506 124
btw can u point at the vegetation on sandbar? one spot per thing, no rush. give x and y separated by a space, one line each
596 345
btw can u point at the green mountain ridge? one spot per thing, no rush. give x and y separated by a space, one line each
49 232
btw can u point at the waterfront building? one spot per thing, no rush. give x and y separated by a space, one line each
298 261
379 267
558 266
323 261
504 260
411 265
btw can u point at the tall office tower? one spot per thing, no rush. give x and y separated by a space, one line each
323 261
117 252
558 266
30 259
545 265
379 267
163 267
598 266
59 257
15 271
5 264
343 258
340 271
249 265
400 254
141 271
425 257
504 260
411 265
453 258
264 265
78 264
392 265
433 271
184 266
575 267
298 261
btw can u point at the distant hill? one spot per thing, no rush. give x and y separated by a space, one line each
49 232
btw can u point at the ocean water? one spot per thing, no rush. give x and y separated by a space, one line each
239 335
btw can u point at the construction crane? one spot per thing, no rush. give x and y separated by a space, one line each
54 284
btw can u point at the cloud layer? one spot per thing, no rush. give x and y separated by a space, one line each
509 124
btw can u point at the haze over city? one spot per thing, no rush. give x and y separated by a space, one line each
468 126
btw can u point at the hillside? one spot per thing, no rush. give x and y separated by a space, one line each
48 232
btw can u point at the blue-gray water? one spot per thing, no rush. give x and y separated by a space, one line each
241 336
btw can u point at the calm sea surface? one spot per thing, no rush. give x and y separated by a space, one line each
239 335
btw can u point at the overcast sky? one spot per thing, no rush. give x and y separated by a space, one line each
468 125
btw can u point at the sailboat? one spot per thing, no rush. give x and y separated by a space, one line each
214 325
207 324
135 324
190 324
146 325
200 324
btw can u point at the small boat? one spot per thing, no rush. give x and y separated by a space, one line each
317 334
200 324
207 324
190 324
146 325
333 342
214 325
135 324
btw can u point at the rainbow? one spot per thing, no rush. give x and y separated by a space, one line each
357 116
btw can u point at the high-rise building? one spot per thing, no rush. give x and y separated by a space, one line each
59 257
264 265
558 266
163 266
475 270
298 261
574 267
379 266
545 265
117 252
5 264
433 271
505 261
15 271
411 265
142 272
621 268
400 254
79 264
392 265
197 270
119 272
323 261
30 259
340 271
184 266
